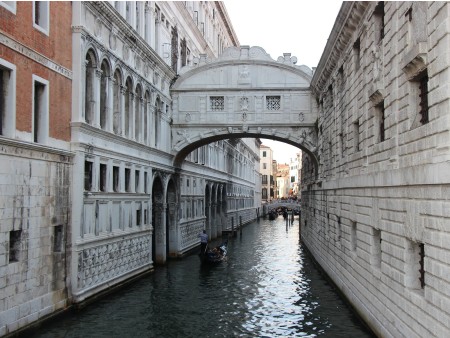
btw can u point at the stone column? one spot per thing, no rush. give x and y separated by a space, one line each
83 90
109 104
123 92
132 123
97 80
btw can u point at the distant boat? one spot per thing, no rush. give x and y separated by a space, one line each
272 215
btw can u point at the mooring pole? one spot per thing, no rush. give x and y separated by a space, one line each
240 225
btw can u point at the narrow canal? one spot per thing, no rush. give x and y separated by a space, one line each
268 287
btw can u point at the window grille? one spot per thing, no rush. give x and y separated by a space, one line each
423 96
217 103
273 102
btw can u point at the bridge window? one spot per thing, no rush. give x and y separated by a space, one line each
217 103
273 102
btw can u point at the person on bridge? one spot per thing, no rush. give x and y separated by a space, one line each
203 242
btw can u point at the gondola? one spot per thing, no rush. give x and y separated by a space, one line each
215 255
272 215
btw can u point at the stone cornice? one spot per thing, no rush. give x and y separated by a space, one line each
40 148
33 55
347 22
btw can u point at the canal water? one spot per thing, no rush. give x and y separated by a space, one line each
268 287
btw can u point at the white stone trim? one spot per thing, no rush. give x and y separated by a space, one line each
39 58
9 123
9 5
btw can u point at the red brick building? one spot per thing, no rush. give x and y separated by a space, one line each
35 162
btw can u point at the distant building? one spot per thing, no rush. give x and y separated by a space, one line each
267 173
295 165
282 179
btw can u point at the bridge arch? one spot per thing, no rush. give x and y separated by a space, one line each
243 93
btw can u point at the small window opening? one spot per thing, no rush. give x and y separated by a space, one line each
57 238
127 179
103 177
14 245
116 179
88 175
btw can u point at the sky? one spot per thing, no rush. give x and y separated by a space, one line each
298 27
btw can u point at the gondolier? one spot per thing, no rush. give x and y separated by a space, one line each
203 242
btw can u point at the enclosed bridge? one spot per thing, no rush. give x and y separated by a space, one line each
243 93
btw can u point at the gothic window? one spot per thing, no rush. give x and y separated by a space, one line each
116 103
138 114
104 87
89 98
146 117
217 103
128 107
273 102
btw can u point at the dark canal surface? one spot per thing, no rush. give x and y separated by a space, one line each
268 287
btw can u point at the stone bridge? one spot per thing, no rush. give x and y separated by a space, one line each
243 94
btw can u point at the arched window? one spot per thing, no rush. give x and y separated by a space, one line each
89 99
116 102
137 111
104 94
128 106
157 118
146 117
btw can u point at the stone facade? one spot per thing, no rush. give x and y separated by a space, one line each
375 211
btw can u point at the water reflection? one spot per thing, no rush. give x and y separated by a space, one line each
267 288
